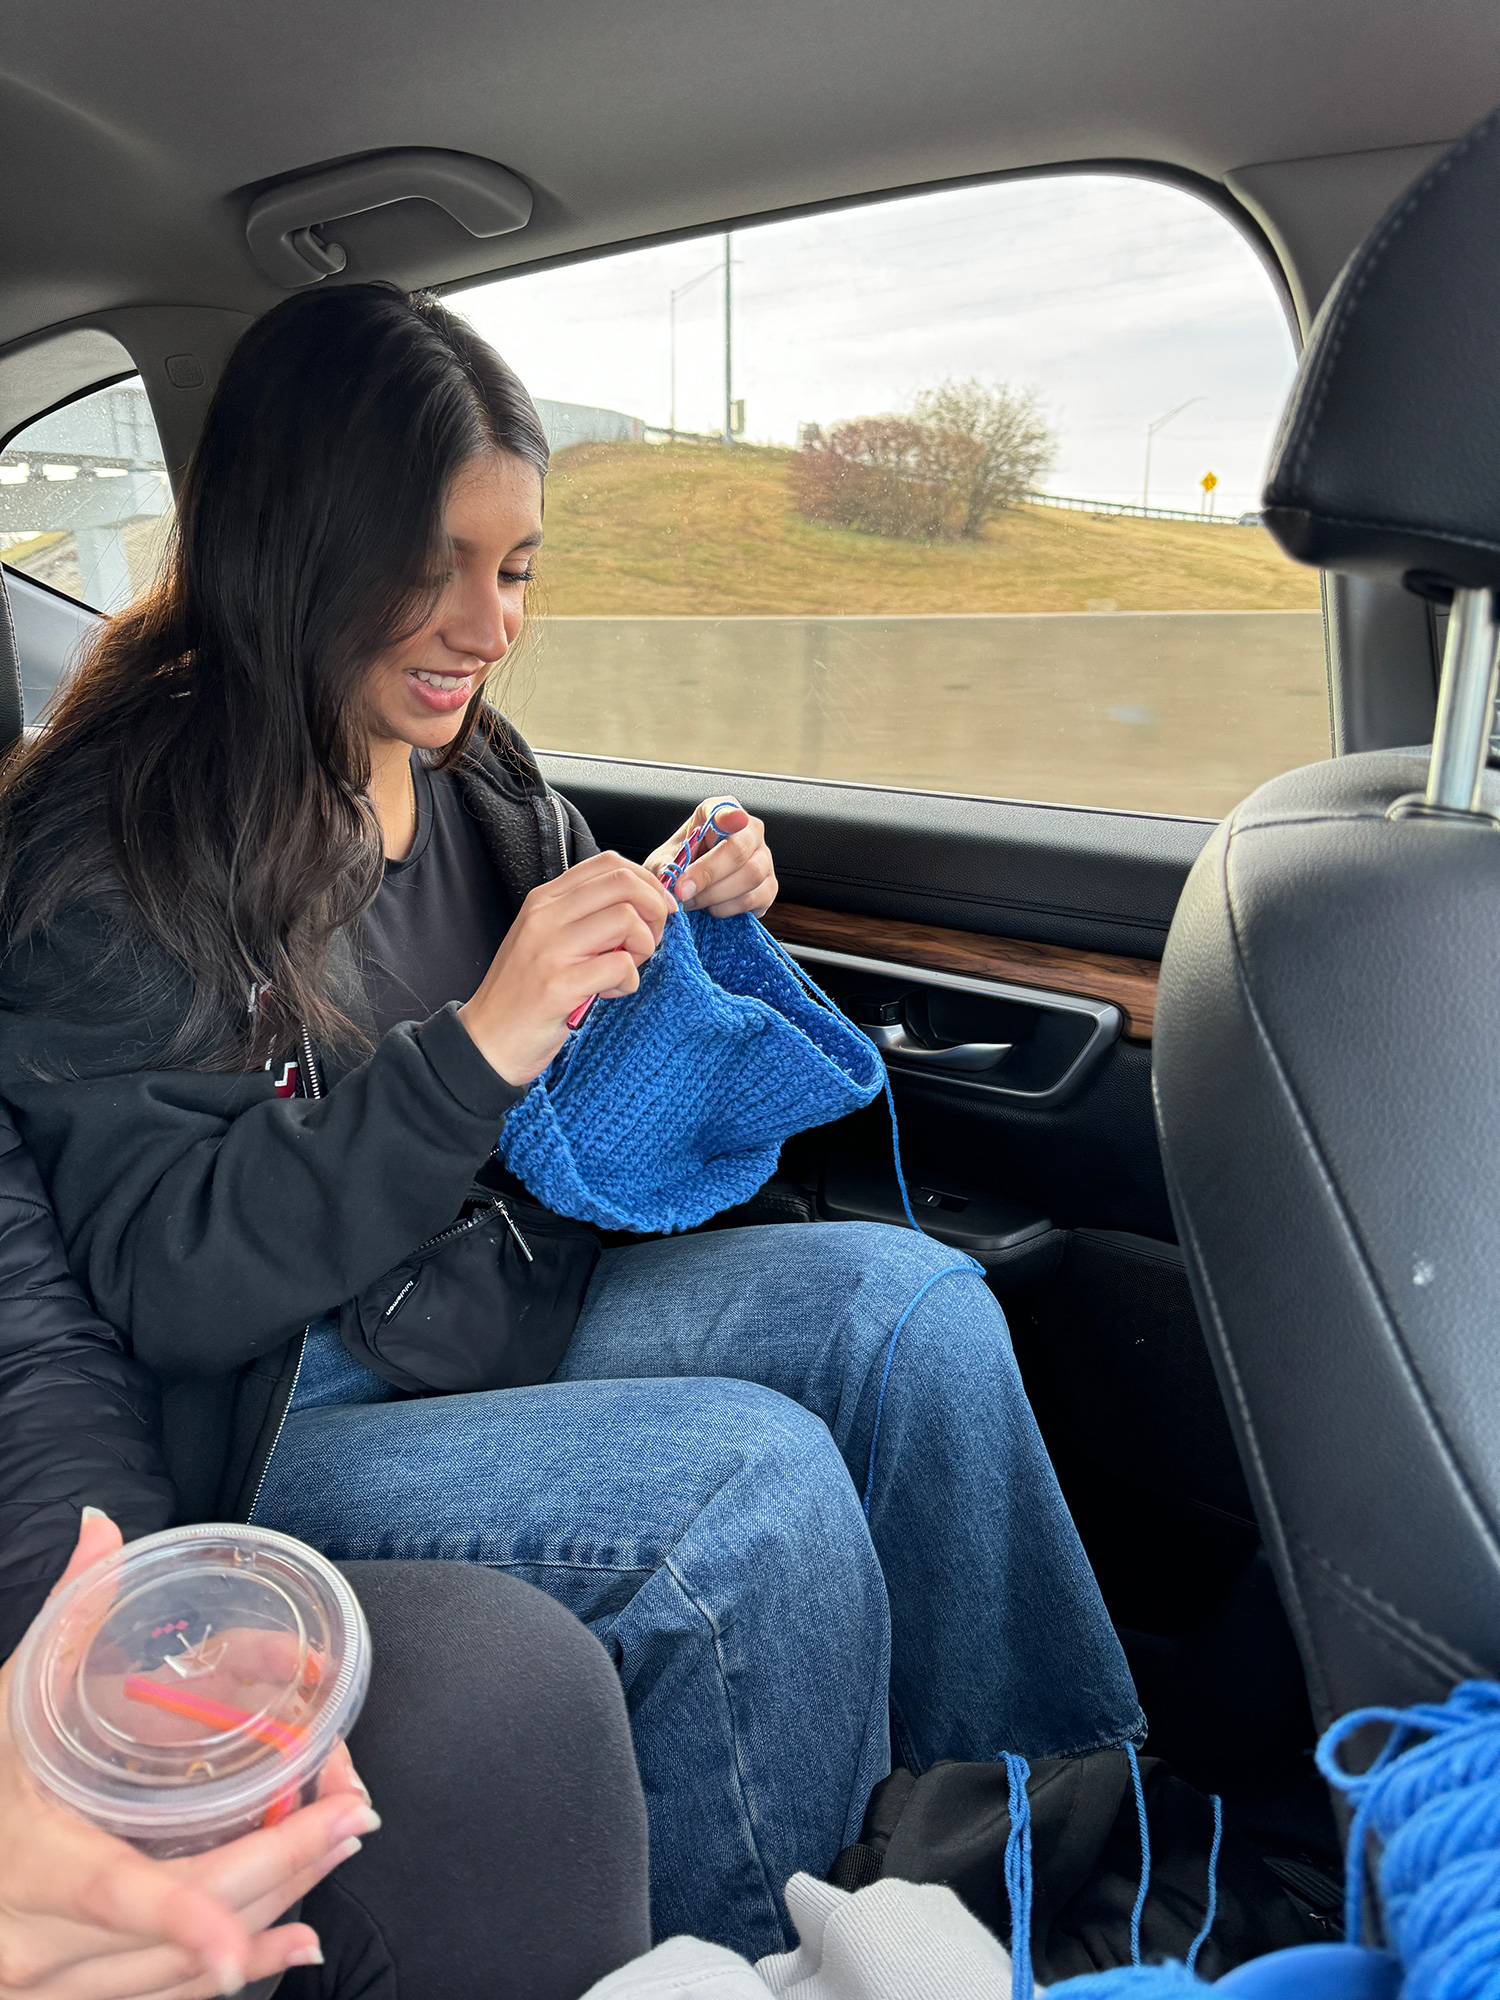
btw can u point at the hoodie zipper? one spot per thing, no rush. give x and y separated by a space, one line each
561 817
286 1411
314 1081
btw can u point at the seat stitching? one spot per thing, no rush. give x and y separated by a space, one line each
1272 1525
1399 1628
1487 545
1271 1521
1343 319
1344 1222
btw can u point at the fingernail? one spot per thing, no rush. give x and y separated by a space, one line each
309 1955
347 1852
364 1819
94 1514
686 891
227 1976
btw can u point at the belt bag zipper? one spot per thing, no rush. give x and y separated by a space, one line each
450 1235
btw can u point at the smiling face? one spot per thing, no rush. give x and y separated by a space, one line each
417 690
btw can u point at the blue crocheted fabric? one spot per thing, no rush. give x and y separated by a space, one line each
670 1106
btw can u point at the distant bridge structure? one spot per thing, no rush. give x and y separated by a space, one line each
90 470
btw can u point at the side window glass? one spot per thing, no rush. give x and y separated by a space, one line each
85 504
954 492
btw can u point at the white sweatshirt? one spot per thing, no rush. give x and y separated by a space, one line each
892 1941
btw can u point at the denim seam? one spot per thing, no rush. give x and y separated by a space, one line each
734 1731
350 1552
1137 1736
544 1562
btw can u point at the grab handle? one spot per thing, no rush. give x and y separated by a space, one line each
283 225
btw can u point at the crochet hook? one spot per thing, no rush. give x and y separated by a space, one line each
669 876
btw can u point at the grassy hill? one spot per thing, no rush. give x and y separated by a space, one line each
684 530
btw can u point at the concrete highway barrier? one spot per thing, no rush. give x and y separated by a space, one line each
1178 712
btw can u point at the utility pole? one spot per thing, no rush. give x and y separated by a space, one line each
672 298
728 343
1151 430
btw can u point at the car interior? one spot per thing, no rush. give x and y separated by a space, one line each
1252 1309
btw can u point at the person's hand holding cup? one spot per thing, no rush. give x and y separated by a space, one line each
84 1914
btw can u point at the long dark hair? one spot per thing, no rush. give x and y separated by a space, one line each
208 758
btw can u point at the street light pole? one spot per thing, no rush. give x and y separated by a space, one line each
728 345
1151 430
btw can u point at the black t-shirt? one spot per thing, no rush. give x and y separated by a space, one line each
438 916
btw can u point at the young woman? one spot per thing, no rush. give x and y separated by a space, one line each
276 839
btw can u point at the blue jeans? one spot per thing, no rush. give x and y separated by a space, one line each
689 1484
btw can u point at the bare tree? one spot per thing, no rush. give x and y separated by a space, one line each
967 450
987 443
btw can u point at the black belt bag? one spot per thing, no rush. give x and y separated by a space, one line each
488 1303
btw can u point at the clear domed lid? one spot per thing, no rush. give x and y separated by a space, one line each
193 1677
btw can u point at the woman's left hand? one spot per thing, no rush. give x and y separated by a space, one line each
732 870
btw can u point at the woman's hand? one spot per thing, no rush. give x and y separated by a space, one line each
732 870
85 1917
578 936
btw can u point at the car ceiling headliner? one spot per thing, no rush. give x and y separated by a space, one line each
133 133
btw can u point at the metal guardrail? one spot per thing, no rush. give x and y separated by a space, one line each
1076 505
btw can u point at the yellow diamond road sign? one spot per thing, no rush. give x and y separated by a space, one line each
1209 481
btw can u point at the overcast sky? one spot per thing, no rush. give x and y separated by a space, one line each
1112 299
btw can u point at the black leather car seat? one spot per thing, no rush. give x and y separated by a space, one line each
1327 1066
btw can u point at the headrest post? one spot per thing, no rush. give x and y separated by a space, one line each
1465 718
1466 704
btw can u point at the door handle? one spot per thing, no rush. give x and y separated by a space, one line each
967 1057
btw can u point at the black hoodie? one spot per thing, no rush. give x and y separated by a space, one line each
211 1219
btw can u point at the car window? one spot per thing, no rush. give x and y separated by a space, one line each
953 492
85 504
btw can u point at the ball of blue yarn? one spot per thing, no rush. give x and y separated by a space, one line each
1171 1981
1435 1805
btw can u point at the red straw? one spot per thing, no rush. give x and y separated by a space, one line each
283 1736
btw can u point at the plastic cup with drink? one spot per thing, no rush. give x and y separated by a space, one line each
191 1687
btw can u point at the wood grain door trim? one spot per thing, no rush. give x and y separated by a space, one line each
1129 983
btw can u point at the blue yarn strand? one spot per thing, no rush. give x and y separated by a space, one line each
890 1101
1211 1910
1018 1879
1145 1887
968 1263
682 861
953 1270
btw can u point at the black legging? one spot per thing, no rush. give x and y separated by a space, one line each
512 1860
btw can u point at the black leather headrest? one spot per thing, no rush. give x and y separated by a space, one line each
1388 458
12 714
